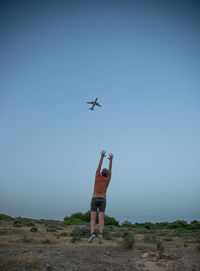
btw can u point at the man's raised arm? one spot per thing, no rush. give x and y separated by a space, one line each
103 154
110 164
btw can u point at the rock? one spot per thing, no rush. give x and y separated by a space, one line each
172 257
108 253
145 255
161 263
141 248
48 267
153 254
142 265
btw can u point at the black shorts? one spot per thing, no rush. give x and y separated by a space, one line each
98 203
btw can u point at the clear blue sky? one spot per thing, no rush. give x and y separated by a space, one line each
142 60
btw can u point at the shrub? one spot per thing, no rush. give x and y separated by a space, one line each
110 220
148 225
25 220
194 225
77 219
19 262
73 221
117 234
126 224
80 219
46 241
63 234
76 234
178 224
161 225
107 235
3 216
30 224
160 248
17 223
128 240
86 216
150 237
51 229
77 215
168 239
34 229
26 240
82 232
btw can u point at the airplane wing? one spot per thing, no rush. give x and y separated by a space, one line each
90 102
98 104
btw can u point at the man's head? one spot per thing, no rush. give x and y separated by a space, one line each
104 172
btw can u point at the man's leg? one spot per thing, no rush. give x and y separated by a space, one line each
101 226
101 222
93 220
92 225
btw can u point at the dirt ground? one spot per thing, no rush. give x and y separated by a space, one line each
51 247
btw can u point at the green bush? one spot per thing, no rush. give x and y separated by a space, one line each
168 239
34 229
63 234
26 240
79 219
17 223
30 224
78 215
178 224
117 234
3 216
75 221
128 241
46 241
150 237
107 234
161 225
76 234
194 225
25 220
160 248
148 225
51 229
110 220
126 224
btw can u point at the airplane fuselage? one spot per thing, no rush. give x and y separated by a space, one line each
95 102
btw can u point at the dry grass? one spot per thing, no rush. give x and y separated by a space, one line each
9 262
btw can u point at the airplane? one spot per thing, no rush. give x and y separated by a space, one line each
93 104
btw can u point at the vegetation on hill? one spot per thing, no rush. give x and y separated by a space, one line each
84 218
80 218
2 216
178 224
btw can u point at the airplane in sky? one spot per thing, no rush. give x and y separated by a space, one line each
93 104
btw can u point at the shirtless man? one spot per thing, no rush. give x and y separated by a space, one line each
102 180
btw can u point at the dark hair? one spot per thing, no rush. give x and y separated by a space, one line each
104 172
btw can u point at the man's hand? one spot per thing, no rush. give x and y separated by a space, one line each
103 154
110 157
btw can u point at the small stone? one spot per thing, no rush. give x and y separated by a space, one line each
172 257
145 255
153 254
108 253
161 263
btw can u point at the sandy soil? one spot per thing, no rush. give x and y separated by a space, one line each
21 249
